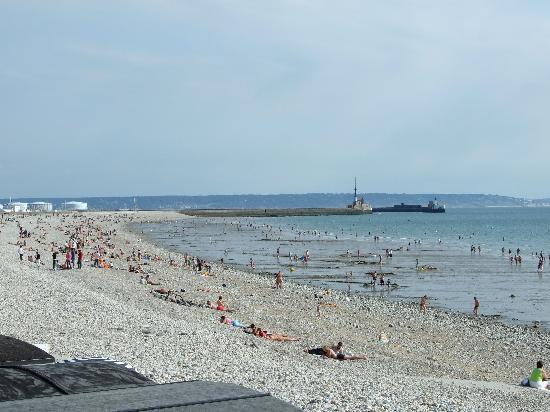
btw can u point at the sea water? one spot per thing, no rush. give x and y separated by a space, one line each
515 292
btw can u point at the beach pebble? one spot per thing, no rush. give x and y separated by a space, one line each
434 362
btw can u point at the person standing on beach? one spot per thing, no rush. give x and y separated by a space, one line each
476 305
21 253
424 303
80 257
68 259
279 280
54 260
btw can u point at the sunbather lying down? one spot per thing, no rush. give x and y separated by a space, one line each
328 352
174 297
149 281
211 305
163 291
281 338
257 331
231 322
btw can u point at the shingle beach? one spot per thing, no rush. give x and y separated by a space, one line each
437 361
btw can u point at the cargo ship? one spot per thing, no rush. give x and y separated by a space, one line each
433 207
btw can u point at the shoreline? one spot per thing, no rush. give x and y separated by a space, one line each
331 280
441 360
318 289
406 302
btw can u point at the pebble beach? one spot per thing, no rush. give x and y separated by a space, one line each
434 361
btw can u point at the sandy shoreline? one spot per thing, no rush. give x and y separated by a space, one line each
437 361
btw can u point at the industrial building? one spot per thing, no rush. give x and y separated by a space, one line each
17 206
80 206
40 207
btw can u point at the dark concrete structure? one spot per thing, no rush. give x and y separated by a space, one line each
274 212
30 380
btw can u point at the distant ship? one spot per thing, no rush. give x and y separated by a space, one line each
359 204
433 207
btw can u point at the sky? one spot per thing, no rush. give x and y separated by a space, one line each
110 98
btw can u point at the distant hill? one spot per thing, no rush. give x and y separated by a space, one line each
287 201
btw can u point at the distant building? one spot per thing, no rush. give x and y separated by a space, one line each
80 206
18 206
40 207
359 203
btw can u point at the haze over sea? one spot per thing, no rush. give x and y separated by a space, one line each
517 293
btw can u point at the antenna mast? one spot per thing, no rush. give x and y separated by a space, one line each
355 189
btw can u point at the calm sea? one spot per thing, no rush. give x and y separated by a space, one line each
517 293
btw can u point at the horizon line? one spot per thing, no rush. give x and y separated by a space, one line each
13 198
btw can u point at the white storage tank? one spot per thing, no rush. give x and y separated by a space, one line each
18 206
76 206
40 207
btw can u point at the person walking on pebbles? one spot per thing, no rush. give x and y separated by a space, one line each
424 303
279 280
476 305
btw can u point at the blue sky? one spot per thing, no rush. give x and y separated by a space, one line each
223 97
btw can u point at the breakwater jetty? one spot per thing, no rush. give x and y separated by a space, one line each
273 212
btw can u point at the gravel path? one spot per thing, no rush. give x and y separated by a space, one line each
432 362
